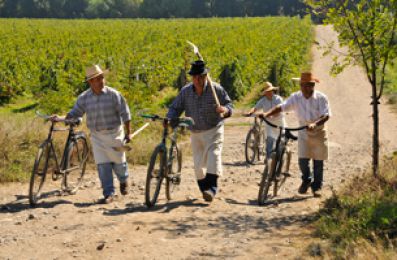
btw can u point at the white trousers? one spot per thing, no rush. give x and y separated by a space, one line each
207 151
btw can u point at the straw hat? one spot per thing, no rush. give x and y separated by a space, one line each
306 77
268 87
93 72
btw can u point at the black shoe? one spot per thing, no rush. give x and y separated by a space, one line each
124 188
106 200
208 195
316 193
304 187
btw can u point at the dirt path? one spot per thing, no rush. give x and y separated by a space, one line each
233 226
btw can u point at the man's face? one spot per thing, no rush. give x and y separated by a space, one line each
199 80
97 83
268 94
307 89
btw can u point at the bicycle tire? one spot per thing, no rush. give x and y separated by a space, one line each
266 181
76 160
284 173
38 175
174 170
277 176
155 175
251 146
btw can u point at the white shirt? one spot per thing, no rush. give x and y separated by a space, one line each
307 110
265 104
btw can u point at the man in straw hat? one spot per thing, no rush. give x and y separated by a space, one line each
266 103
199 102
312 109
107 113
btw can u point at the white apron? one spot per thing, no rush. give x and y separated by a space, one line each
102 145
313 144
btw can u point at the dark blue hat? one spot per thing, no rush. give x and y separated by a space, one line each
198 68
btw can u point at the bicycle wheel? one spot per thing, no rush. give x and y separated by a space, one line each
282 171
267 178
39 173
251 147
76 160
155 176
173 177
261 144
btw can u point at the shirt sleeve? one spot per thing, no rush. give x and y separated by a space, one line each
288 104
125 113
259 104
78 109
324 106
178 106
225 100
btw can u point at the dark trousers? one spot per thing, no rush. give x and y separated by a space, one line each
318 169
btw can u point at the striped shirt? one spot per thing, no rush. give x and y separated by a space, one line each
105 111
307 110
201 108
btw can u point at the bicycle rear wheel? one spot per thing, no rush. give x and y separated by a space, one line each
173 177
155 176
267 178
76 160
251 147
39 173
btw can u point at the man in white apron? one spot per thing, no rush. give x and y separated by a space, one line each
107 117
198 102
266 103
312 109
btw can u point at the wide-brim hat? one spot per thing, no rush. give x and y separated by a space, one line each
93 72
306 77
198 68
268 87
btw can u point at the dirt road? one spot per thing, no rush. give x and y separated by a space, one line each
233 226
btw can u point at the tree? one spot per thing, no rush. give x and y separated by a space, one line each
368 28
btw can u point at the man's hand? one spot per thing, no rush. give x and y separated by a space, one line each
312 126
263 115
222 110
127 138
56 118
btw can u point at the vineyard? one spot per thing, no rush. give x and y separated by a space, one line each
42 66
47 58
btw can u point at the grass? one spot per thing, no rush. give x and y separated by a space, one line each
361 220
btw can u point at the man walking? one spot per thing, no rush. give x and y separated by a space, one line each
312 109
207 134
107 117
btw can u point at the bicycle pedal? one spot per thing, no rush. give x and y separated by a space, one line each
176 180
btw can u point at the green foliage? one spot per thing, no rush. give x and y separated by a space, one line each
143 56
365 209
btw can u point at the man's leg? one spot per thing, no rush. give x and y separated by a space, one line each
269 146
121 171
106 178
198 151
318 169
306 179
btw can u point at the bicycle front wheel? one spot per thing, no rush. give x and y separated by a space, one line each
76 160
39 173
282 171
267 178
155 176
174 171
251 147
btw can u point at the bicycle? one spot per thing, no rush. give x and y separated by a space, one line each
71 167
280 158
255 141
162 164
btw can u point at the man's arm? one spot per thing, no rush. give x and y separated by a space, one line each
226 107
127 127
177 107
318 122
274 111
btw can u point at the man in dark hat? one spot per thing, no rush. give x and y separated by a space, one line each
312 109
208 104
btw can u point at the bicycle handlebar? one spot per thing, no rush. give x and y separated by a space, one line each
187 121
282 127
71 121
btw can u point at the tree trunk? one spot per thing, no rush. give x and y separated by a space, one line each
375 140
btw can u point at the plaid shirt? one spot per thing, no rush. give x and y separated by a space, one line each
201 108
105 111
